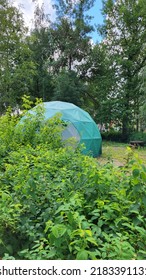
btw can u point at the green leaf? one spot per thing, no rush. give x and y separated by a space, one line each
51 254
134 208
82 255
143 175
88 232
70 217
48 225
92 240
10 249
5 196
144 200
58 230
136 172
142 252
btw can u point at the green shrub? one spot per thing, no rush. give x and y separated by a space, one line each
56 203
112 135
138 136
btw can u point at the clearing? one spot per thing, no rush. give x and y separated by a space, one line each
118 153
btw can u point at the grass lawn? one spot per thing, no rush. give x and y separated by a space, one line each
117 152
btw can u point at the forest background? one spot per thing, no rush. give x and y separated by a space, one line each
57 60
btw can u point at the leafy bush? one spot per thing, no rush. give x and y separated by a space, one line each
56 203
112 135
138 136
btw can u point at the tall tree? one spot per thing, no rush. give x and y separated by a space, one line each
16 68
142 80
71 33
98 73
69 88
125 29
40 45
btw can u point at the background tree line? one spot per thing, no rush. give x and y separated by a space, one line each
58 60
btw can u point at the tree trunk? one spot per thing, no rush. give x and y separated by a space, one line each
126 117
70 63
125 129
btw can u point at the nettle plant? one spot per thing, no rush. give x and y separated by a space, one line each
56 203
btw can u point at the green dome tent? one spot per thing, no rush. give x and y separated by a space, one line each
80 125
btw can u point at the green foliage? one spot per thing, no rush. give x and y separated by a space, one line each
138 136
71 34
125 28
39 43
7 124
17 68
100 78
143 117
112 135
56 203
68 88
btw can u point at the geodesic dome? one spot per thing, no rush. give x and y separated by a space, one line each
80 125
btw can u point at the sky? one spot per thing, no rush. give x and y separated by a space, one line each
27 7
97 18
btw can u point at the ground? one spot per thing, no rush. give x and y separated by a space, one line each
117 153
